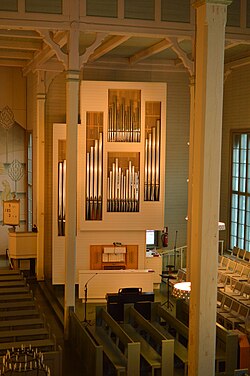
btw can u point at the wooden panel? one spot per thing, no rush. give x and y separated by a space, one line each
96 256
132 257
96 260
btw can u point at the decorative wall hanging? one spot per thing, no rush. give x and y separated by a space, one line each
7 121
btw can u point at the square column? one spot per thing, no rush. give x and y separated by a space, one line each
207 132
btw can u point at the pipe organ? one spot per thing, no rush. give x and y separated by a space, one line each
124 116
123 188
121 158
94 181
152 164
120 170
61 197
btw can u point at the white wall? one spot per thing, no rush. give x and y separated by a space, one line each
12 145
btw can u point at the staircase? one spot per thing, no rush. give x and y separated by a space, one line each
21 322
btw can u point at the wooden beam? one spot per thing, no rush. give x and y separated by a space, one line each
108 46
237 63
90 50
12 63
20 45
30 34
156 48
16 54
46 53
189 64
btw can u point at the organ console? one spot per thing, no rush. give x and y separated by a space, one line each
141 300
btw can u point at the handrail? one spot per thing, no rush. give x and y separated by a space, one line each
177 252
9 259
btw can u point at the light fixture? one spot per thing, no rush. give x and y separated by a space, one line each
221 226
182 290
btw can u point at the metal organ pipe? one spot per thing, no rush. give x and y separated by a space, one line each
123 188
152 164
61 197
94 181
124 120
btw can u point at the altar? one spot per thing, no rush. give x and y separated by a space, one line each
101 282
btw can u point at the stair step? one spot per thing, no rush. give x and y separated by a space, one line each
20 305
42 345
14 290
21 323
22 313
11 277
9 271
23 334
12 297
12 283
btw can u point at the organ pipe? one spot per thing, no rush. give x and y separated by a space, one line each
123 188
94 180
61 197
124 120
152 164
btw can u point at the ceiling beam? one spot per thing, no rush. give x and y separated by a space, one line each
12 63
108 46
16 54
84 58
16 44
237 63
20 34
46 53
147 52
182 55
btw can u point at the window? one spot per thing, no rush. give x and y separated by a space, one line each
240 199
29 184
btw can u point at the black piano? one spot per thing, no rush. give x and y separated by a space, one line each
141 300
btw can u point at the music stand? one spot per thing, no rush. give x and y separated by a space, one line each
167 302
86 298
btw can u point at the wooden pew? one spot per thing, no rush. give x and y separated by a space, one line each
156 350
172 328
120 349
226 359
81 339
226 350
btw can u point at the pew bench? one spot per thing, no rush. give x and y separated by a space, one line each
171 327
226 357
122 352
156 350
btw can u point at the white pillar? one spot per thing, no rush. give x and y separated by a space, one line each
72 94
210 38
190 173
40 174
72 104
